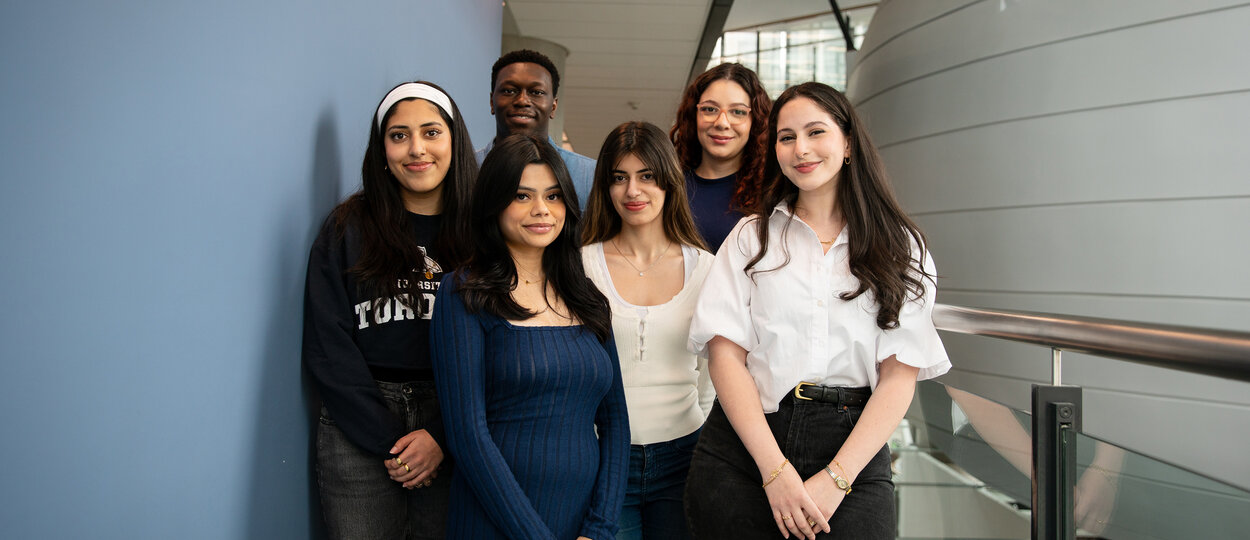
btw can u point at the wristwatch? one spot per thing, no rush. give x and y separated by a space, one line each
838 480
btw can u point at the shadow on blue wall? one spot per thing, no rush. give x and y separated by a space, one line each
274 454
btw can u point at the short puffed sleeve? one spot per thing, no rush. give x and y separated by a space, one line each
724 306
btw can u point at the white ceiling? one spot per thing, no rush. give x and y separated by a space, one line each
629 59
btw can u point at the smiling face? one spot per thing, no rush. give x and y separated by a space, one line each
810 145
723 122
535 217
418 153
522 100
634 192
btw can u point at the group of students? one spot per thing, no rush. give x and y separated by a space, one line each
546 347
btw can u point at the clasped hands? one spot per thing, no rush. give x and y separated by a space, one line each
803 508
416 460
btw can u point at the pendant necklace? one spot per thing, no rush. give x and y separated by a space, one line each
647 269
525 279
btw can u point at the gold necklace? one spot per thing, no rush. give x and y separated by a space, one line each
653 263
525 279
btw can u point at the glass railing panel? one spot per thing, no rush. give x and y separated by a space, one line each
1120 494
962 467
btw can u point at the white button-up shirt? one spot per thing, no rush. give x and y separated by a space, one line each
793 324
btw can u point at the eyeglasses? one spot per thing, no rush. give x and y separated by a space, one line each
734 115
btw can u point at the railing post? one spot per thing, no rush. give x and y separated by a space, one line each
1056 421
1056 367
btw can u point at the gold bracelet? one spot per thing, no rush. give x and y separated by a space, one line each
839 466
776 473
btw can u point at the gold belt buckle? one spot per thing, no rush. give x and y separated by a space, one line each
798 389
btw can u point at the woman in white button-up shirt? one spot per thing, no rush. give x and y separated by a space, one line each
818 317
645 254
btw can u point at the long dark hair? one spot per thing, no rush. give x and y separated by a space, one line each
880 234
648 143
390 259
490 275
685 136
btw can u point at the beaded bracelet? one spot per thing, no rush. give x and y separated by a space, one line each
776 473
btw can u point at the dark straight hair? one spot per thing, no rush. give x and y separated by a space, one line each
491 276
390 258
685 136
880 235
648 143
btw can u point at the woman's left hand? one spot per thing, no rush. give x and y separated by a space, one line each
416 460
826 494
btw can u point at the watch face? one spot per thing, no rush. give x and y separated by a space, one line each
841 482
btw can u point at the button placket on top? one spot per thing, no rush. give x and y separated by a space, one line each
642 338
821 285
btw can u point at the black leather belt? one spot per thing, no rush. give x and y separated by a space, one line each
842 396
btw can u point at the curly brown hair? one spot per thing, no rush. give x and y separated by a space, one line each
685 136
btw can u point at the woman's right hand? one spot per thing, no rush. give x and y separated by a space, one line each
416 461
826 494
793 507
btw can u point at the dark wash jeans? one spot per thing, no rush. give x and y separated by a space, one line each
653 497
723 494
358 499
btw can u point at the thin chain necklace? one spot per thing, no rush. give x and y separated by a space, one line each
642 272
828 242
525 279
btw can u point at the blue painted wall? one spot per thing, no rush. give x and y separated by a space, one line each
165 165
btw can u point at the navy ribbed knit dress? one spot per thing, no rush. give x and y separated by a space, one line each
520 408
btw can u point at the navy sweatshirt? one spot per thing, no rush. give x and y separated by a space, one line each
350 340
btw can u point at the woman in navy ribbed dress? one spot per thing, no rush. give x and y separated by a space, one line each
525 366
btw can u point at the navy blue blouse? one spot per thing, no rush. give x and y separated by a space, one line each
710 203
521 405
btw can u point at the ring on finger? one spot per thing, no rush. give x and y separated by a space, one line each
398 461
406 469
785 518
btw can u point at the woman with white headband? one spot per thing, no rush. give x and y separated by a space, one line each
372 276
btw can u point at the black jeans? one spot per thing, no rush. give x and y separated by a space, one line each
359 500
723 494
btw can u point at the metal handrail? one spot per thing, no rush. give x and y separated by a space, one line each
1218 353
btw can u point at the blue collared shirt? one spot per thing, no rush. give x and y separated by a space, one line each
581 169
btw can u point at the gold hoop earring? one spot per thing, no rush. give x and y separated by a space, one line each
846 160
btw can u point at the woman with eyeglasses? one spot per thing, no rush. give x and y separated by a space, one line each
721 137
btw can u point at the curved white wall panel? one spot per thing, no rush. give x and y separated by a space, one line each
1087 158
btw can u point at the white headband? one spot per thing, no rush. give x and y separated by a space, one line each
414 90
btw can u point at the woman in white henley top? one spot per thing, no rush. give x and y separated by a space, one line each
646 256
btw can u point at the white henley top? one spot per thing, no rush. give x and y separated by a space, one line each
791 321
668 392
